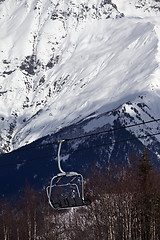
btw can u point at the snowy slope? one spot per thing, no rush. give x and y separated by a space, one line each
66 61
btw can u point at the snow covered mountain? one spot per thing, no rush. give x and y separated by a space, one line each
48 51
66 61
71 68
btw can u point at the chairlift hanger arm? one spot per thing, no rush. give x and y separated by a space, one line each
59 160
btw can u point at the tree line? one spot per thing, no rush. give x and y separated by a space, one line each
125 205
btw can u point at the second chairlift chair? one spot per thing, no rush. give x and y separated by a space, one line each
63 180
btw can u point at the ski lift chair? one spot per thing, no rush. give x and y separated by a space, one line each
63 180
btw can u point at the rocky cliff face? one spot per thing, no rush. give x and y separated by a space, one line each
37 39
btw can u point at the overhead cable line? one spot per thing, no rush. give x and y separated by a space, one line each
112 130
80 149
82 136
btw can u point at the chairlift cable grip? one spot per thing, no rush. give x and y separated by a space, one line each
59 160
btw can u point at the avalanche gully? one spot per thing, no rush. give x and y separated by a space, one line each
74 68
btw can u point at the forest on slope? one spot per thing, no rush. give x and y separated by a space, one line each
125 205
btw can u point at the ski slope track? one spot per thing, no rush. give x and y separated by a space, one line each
78 63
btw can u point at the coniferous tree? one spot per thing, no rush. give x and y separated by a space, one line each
145 195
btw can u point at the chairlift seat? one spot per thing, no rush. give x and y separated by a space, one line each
70 202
